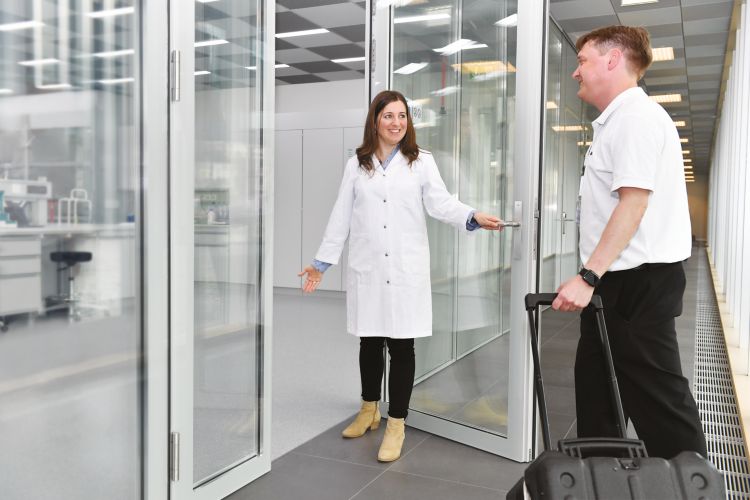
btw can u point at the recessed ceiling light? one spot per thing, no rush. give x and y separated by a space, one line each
508 22
279 66
626 3
290 34
568 128
410 68
687 160
201 72
23 25
679 123
662 54
460 44
686 151
551 105
683 139
348 59
115 53
112 12
38 62
55 86
207 43
666 98
115 81
416 19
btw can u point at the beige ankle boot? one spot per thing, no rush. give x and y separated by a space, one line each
393 440
368 418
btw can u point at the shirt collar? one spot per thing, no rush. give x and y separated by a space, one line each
618 101
394 152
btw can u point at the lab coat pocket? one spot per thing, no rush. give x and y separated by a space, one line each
415 255
360 254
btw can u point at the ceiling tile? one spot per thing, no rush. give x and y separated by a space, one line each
651 17
331 16
706 26
574 9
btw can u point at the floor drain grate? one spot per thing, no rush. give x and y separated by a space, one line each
714 392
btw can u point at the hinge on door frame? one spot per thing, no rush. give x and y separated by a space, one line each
174 456
174 75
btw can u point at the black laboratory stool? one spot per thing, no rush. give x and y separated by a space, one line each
69 301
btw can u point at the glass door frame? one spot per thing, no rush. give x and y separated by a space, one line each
181 185
530 107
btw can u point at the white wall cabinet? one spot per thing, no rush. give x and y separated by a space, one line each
308 168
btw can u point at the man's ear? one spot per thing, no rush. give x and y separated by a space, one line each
615 58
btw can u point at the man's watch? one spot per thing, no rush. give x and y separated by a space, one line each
590 277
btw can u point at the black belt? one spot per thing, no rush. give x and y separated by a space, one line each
653 265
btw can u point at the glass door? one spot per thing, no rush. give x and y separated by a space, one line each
457 62
221 105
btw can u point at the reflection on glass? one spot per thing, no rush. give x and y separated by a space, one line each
226 213
462 97
564 147
70 414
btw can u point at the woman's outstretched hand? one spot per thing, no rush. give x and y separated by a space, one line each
313 278
489 222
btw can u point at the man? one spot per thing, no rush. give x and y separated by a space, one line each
635 233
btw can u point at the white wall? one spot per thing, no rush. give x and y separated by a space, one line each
318 126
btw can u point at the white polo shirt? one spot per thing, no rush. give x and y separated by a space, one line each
636 145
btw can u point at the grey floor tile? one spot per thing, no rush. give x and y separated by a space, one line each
560 399
440 458
399 486
298 477
362 450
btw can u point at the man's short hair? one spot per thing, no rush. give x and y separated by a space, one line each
635 44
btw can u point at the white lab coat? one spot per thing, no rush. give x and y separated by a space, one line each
388 291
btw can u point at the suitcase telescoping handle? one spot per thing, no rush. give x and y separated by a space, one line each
533 301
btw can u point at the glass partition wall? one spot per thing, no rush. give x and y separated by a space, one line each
565 143
70 289
455 63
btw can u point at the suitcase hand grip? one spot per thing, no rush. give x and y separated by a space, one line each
533 300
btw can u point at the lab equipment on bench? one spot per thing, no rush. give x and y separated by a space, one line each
72 214
30 196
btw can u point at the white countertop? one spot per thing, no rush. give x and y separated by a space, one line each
65 229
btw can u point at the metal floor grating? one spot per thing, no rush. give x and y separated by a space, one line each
714 392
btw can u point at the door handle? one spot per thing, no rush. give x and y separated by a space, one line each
517 216
510 223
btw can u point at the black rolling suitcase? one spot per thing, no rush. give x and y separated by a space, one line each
607 468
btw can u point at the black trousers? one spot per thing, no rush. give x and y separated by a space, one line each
401 380
640 306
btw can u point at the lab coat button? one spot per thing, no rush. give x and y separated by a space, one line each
385 227
388 282
383 201
386 255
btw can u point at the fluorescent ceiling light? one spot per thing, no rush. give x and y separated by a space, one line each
290 34
689 180
417 19
112 12
348 59
581 143
115 81
115 53
410 68
679 123
23 25
206 1
445 91
683 139
490 69
460 44
38 62
6 91
568 128
626 3
686 151
281 66
666 98
508 22
687 160
55 86
551 105
206 43
662 54
201 72
253 68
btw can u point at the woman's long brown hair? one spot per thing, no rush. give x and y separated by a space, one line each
408 144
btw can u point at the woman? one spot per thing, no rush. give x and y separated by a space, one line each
389 298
